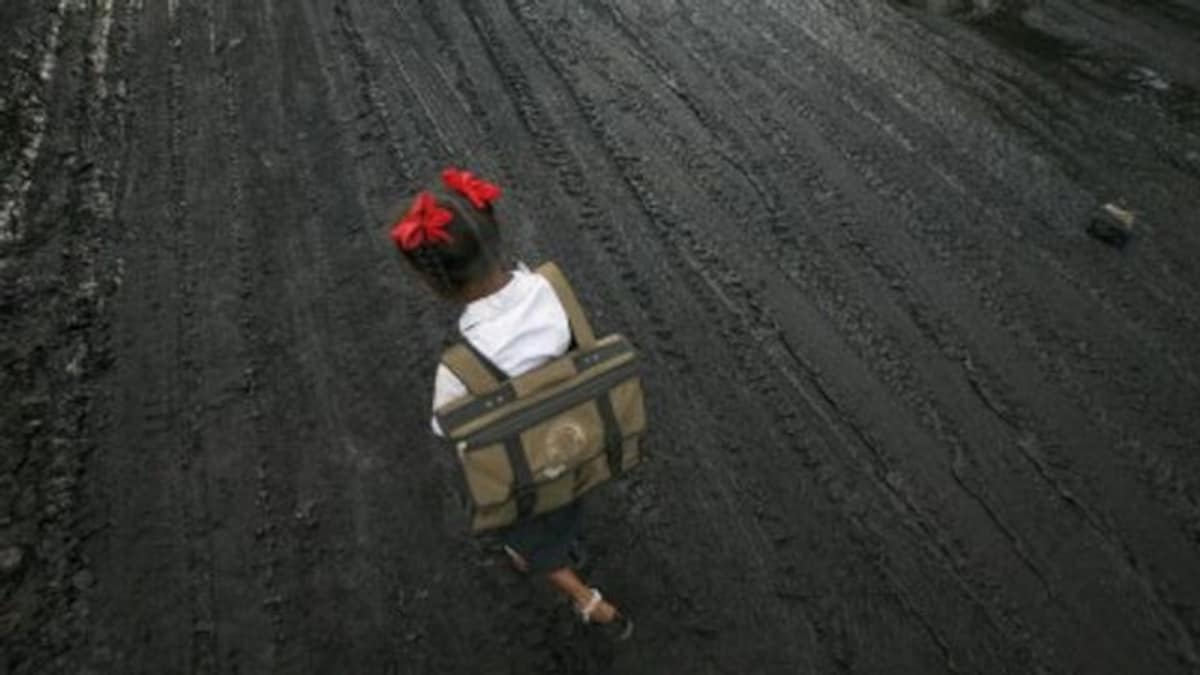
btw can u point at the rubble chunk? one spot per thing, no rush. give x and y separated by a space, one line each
1112 225
11 558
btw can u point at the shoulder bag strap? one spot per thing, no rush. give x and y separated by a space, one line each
477 373
581 328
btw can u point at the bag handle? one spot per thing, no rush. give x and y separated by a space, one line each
467 366
581 328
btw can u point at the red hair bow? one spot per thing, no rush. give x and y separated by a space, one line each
480 192
425 223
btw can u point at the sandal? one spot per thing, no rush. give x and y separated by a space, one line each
621 626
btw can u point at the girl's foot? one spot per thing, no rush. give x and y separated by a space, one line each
599 612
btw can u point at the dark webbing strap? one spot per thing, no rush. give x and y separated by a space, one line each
464 362
581 328
523 487
613 445
487 363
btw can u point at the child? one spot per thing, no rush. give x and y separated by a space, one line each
513 319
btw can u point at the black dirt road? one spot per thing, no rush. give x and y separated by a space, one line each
908 416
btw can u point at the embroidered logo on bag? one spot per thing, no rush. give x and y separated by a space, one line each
564 442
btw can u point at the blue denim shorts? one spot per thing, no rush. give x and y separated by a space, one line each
545 541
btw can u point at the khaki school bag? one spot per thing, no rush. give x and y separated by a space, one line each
539 441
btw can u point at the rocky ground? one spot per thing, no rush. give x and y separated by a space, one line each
912 412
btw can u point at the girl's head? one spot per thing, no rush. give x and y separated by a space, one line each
450 237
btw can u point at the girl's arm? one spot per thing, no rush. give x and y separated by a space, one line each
446 388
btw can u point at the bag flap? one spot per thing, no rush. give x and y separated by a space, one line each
468 415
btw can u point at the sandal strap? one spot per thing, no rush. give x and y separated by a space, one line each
585 612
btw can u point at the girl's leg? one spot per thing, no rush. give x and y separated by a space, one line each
569 584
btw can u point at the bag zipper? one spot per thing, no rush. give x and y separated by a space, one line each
530 416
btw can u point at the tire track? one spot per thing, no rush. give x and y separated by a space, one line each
251 271
846 221
33 128
862 244
145 415
408 587
53 348
1105 534
479 142
1052 247
276 498
370 93
190 456
347 413
1098 418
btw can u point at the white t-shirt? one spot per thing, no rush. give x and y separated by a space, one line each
518 328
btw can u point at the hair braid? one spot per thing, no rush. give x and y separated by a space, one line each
431 264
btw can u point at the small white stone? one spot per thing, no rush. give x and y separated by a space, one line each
11 558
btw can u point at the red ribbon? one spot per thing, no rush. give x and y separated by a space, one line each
478 191
425 223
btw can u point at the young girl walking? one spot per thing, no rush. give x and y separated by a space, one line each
513 319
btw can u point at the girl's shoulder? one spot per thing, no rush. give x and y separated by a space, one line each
528 283
537 291
528 296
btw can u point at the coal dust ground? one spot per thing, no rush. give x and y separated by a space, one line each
908 416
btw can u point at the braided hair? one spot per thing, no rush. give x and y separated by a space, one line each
473 252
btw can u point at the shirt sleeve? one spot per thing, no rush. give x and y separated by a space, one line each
446 388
